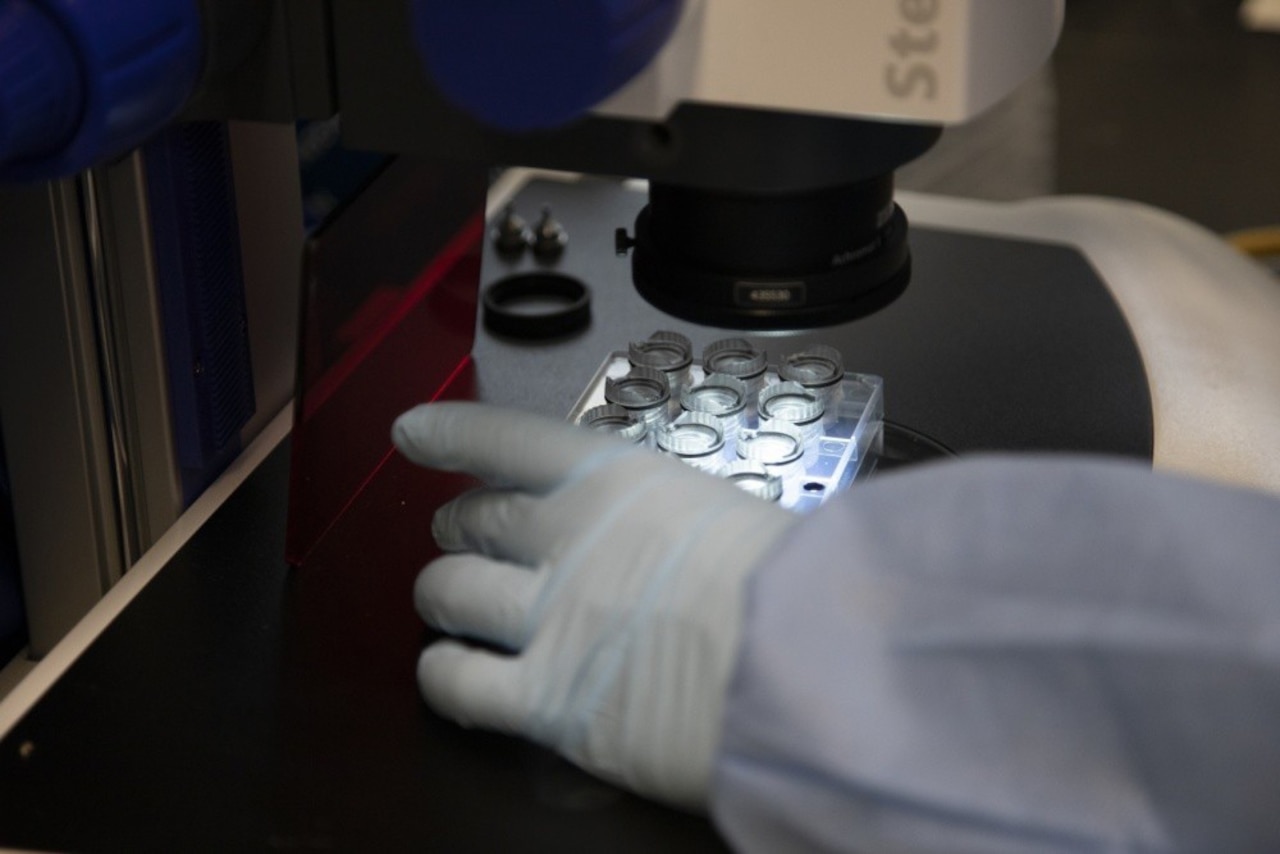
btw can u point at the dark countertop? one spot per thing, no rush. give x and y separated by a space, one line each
239 704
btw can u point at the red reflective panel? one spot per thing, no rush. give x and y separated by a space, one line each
388 321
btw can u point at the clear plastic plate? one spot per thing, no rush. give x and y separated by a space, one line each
845 452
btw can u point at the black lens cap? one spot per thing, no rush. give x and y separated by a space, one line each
537 306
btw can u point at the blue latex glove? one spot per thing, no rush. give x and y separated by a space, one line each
612 574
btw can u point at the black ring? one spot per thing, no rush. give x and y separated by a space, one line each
504 294
823 298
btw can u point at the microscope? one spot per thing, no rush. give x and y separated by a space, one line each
712 168
768 135
741 156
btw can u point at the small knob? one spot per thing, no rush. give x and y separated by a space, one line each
519 65
622 242
549 236
511 235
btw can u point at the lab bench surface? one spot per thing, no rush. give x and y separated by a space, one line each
236 703
239 705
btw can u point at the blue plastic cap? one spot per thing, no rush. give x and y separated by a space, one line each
520 65
40 94
110 74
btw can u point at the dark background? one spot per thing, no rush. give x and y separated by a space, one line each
1169 102
1174 103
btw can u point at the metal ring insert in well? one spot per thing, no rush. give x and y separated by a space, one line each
736 357
752 477
614 419
775 446
692 435
718 394
790 403
814 368
669 352
642 388
643 392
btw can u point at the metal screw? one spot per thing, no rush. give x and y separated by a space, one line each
511 235
549 237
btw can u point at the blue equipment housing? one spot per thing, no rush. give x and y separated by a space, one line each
83 81
567 56
197 253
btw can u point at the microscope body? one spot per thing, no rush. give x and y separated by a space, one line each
768 133
758 122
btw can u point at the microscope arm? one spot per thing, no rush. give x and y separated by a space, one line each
82 83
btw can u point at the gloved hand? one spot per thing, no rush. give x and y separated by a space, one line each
613 574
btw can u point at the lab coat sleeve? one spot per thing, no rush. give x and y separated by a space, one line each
1012 655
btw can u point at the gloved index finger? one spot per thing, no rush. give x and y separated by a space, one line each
504 447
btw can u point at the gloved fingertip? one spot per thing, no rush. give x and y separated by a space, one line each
431 593
426 433
409 429
467 686
436 668
424 597
444 529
